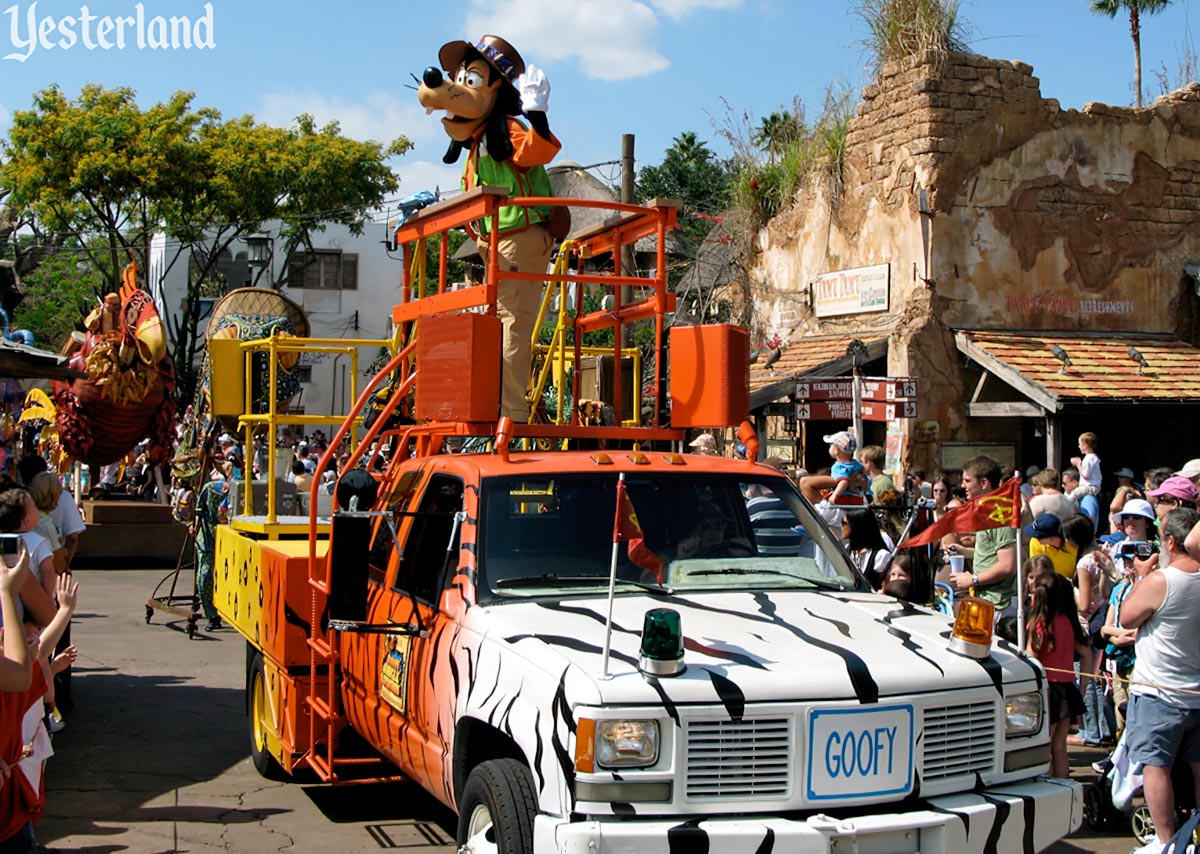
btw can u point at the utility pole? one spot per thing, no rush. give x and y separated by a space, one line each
627 196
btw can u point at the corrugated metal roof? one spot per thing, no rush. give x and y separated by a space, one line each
1101 367
22 362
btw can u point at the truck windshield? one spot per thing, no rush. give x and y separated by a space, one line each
554 536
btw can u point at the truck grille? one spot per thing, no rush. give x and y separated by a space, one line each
750 757
958 740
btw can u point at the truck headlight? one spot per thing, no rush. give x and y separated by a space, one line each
626 744
1023 713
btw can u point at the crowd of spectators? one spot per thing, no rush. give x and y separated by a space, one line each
39 527
1123 570
1111 566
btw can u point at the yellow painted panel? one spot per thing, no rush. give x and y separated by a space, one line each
262 590
237 586
228 363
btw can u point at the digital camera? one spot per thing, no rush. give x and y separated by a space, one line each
1140 549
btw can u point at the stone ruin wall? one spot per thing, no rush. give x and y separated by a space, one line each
1038 218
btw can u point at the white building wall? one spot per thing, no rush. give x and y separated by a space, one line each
361 313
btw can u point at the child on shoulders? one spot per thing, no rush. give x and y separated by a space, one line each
842 446
1089 468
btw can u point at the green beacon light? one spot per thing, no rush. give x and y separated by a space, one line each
662 643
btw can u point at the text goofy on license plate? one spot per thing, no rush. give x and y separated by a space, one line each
854 753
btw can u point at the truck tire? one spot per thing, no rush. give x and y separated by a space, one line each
497 809
256 703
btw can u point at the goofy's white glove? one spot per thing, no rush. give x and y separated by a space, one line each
534 89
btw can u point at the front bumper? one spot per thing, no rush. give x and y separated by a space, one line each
1025 817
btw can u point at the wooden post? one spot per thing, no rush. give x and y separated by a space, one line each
627 261
1053 441
161 491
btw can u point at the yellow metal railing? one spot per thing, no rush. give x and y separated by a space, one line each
249 420
553 358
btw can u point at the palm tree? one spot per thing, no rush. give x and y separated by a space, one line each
776 131
1136 8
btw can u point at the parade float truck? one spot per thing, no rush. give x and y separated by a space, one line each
581 639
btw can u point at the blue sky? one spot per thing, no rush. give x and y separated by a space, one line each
652 68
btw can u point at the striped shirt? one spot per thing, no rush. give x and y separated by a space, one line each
773 525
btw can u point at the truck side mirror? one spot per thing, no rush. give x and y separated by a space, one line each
349 559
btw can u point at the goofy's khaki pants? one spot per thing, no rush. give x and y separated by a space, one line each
517 302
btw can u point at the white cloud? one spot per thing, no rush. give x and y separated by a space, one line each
677 9
381 116
609 39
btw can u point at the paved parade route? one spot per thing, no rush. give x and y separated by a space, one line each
155 758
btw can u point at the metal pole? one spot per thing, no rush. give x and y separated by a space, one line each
858 402
628 193
612 587
1020 592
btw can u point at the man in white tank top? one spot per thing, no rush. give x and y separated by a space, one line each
1163 722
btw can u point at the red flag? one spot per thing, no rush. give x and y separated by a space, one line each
998 509
627 528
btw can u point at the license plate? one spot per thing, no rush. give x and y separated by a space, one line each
855 753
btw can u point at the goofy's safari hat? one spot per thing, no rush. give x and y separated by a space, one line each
499 54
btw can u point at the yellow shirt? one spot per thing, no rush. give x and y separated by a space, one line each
1064 559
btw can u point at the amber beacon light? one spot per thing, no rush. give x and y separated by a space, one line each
972 634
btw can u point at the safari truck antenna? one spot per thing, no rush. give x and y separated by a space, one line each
622 500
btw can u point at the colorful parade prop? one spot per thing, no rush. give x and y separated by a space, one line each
128 394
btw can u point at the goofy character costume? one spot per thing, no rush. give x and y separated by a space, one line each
488 87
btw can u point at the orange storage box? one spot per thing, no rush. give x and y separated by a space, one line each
710 375
458 365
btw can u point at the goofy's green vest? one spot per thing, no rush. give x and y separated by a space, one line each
523 175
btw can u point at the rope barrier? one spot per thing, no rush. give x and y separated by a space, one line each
1114 676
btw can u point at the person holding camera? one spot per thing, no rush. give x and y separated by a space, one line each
1118 651
1164 704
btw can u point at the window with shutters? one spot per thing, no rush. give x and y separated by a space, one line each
323 269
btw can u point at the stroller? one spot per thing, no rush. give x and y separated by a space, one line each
1113 801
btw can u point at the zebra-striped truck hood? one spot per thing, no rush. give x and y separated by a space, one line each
783 645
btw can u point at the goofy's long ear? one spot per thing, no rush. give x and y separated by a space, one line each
453 152
537 120
496 134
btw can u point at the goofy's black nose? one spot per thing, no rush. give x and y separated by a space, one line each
432 77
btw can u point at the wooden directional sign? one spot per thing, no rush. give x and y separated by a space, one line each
842 388
843 410
874 410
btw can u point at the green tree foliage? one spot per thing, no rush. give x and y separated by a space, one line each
796 153
106 173
778 130
61 291
97 167
1135 8
692 173
304 177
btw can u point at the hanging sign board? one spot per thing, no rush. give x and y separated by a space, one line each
842 388
856 291
843 410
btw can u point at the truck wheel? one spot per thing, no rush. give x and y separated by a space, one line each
497 809
256 687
